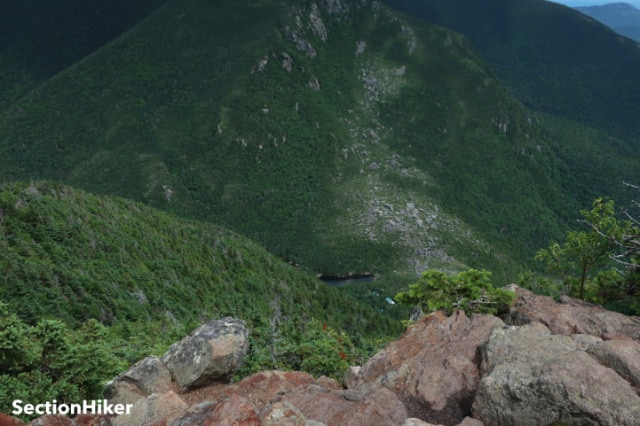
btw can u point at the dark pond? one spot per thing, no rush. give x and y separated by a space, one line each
351 279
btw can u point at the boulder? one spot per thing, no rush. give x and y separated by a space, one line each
282 414
157 409
248 397
623 356
211 353
532 377
266 385
294 398
7 420
434 368
92 420
145 377
329 383
336 408
237 410
571 316
470 421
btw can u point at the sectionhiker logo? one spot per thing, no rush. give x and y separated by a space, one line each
100 406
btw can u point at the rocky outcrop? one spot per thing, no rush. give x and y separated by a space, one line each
211 353
551 363
532 377
302 45
623 356
335 7
434 368
7 420
276 397
154 409
571 316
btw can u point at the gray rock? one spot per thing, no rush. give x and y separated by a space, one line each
212 353
351 376
623 356
469 421
236 410
379 407
532 377
572 316
282 414
412 421
154 409
315 21
303 45
287 62
334 7
145 377
314 84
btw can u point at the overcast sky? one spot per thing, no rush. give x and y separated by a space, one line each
577 3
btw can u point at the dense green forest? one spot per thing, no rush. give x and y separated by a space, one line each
69 257
555 59
74 256
346 141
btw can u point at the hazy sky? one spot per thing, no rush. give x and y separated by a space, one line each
576 3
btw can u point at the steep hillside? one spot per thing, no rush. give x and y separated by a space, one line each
555 59
338 134
42 37
74 256
622 18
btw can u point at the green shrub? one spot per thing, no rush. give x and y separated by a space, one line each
48 361
470 291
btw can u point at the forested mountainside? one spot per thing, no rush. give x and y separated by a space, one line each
340 135
43 37
554 58
75 256
73 263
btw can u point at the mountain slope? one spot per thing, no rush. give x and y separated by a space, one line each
622 18
554 59
41 38
74 256
340 135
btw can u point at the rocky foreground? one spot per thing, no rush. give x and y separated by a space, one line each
545 362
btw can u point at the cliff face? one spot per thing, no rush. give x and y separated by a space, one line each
544 362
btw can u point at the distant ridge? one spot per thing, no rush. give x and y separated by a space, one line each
622 18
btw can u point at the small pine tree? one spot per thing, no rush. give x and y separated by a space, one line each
470 291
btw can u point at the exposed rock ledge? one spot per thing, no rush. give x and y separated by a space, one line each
549 362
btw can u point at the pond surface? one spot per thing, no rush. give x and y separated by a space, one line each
340 281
